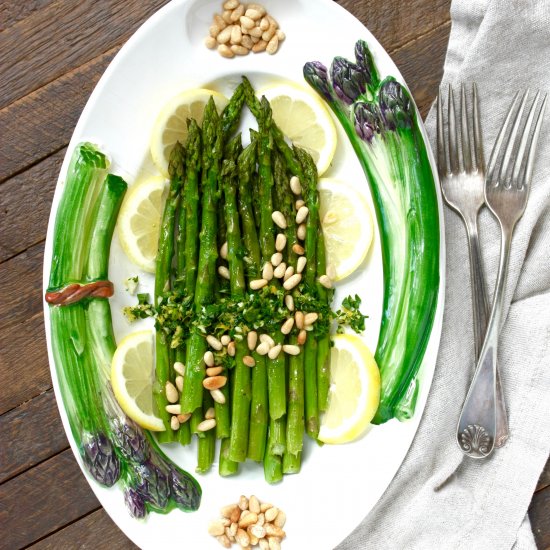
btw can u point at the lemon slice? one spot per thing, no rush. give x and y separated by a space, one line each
354 392
303 118
132 378
347 227
139 222
171 123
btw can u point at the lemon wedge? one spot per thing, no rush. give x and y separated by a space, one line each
132 378
354 392
304 119
347 226
139 221
171 123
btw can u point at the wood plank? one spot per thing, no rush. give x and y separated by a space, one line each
25 203
96 531
43 500
12 11
544 480
80 32
24 368
34 432
539 514
42 122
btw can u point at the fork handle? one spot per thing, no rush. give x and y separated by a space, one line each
483 422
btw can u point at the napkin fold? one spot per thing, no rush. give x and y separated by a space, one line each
439 499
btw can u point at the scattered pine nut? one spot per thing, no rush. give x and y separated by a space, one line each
279 219
257 284
287 325
223 271
174 423
209 357
279 271
214 343
310 318
210 413
292 281
179 383
280 242
302 337
225 51
263 348
299 318
260 46
272 45
299 204
289 271
252 339
214 382
301 264
239 50
268 339
218 396
206 425
295 185
273 353
291 349
214 371
179 367
289 302
182 418
325 281
224 250
267 271
225 339
298 249
276 259
302 213
173 409
172 394
231 349
249 361
301 231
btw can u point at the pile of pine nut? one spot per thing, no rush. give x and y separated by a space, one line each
249 523
243 28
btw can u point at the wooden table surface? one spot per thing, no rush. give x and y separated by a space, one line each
52 54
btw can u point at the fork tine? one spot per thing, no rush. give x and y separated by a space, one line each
453 140
512 141
477 155
441 145
498 143
533 144
464 132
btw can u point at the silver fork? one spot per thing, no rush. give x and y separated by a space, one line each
506 191
461 172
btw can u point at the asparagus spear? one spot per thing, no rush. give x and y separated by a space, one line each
231 114
162 283
191 397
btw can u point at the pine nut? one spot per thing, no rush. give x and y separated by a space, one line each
242 538
268 339
243 503
214 382
301 264
174 423
224 250
173 409
325 281
265 506
226 511
214 371
269 33
291 349
299 204
236 34
279 219
267 271
218 20
259 46
223 271
224 541
298 249
287 325
179 367
264 544
210 413
263 348
225 51
289 302
280 35
225 339
237 13
271 514
257 284
302 213
209 357
230 4
258 531
236 514
247 22
256 32
239 50
214 343
247 519
276 259
206 425
214 30
273 530
295 185
253 14
226 16
224 36
279 271
289 271
231 349
272 45
182 418
310 318
210 42
302 337
247 41
292 281
272 20
172 394
249 361
273 353
254 505
274 543
218 396
261 517
280 242
301 231
264 24
252 339
179 383
299 318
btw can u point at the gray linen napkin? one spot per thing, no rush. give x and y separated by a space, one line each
437 499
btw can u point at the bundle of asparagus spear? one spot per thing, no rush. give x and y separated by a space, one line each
242 299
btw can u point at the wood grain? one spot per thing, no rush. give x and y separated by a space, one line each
539 514
43 500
